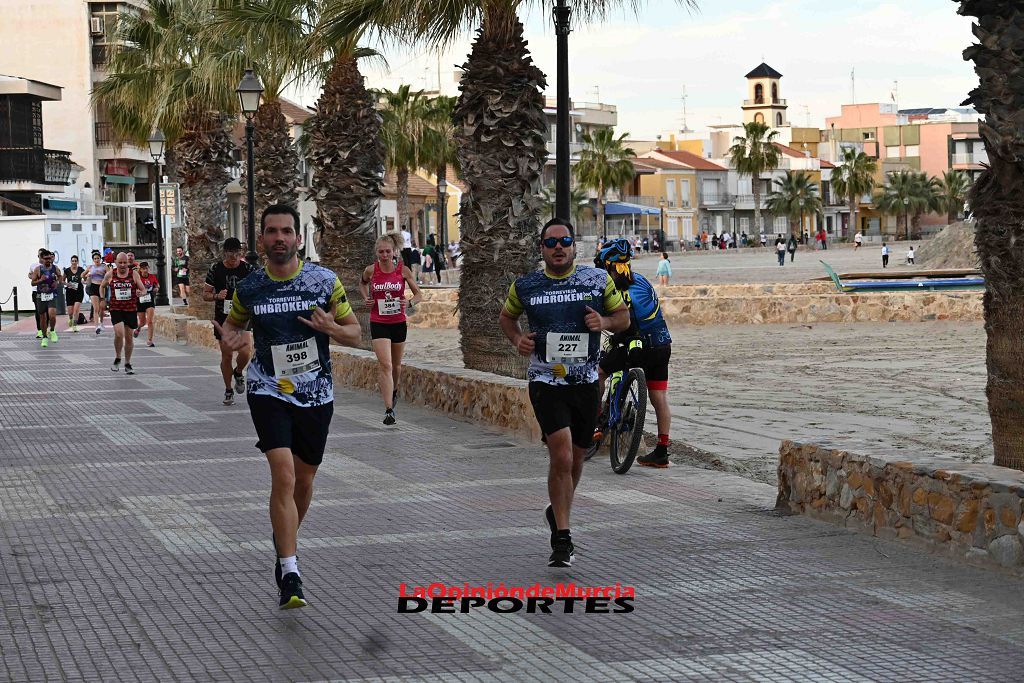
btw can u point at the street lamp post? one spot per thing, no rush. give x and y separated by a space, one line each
906 216
157 141
661 210
562 15
250 90
442 214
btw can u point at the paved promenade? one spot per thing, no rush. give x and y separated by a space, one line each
135 545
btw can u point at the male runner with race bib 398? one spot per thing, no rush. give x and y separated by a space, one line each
296 309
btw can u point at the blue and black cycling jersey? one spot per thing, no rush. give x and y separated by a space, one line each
646 319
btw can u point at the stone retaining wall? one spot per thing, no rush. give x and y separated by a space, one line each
972 511
485 399
813 302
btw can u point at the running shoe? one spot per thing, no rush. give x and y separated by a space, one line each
44 342
291 592
74 328
239 383
549 515
150 344
53 335
116 365
229 397
98 329
39 334
135 333
128 369
389 416
656 458
562 550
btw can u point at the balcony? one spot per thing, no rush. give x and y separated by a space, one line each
642 200
105 136
749 199
764 101
574 150
716 198
970 159
35 165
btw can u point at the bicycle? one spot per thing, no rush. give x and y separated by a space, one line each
625 406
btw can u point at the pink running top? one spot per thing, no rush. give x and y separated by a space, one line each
388 293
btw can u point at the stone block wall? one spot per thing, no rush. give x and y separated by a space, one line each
812 302
971 511
485 399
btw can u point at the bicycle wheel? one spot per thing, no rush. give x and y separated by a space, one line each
626 436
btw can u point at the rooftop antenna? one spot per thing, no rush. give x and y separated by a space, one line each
853 88
807 115
896 94
685 129
597 93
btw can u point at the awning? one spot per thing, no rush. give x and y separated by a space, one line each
120 179
625 208
60 204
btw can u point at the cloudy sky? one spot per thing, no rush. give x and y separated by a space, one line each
642 63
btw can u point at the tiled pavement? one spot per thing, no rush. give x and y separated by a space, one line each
135 544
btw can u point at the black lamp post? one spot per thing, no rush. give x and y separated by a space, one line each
562 14
662 204
157 141
250 90
442 214
906 216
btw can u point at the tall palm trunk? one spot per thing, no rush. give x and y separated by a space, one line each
499 126
404 219
203 156
347 158
756 187
276 160
853 215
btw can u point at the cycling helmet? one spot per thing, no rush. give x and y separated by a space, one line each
617 251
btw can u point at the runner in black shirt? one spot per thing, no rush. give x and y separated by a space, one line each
220 288
75 292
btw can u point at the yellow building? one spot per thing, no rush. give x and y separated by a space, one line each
672 187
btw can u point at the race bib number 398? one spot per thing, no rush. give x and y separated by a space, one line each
570 348
296 358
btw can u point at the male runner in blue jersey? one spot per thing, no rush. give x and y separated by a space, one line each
296 309
567 307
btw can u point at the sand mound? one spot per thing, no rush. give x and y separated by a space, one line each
953 247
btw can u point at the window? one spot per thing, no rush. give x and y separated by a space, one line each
775 93
778 118
913 150
56 227
892 152
745 186
670 192
758 94
76 227
744 225
759 117
673 227
780 224
868 135
684 198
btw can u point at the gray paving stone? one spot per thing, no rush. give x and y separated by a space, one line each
141 551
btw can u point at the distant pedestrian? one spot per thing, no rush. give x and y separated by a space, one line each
714 241
655 244
647 245
910 255
791 247
664 271
764 239
885 255
857 239
780 250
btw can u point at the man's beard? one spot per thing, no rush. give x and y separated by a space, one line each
281 258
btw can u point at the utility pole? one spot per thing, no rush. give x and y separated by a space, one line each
562 15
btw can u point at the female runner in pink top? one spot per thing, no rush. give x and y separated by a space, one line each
383 290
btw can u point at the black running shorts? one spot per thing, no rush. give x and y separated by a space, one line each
74 296
280 424
574 406
653 360
93 289
396 332
129 318
44 306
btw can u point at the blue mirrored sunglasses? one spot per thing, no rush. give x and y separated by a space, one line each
552 242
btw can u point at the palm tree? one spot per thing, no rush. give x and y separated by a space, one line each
953 190
157 79
271 37
998 208
439 149
909 194
753 154
577 201
404 133
605 163
853 178
500 129
795 195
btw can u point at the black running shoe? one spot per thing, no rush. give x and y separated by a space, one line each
128 369
229 397
291 592
389 417
116 365
277 562
549 515
656 458
562 550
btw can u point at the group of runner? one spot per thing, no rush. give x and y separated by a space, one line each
275 324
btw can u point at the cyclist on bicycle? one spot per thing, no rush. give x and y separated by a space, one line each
648 325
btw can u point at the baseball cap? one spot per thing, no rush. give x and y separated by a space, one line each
232 244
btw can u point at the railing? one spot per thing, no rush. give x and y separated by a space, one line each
103 54
35 165
749 199
764 100
574 148
716 198
105 136
971 158
552 103
643 200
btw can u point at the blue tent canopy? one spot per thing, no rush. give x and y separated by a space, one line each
625 208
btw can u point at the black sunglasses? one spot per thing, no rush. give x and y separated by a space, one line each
552 242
